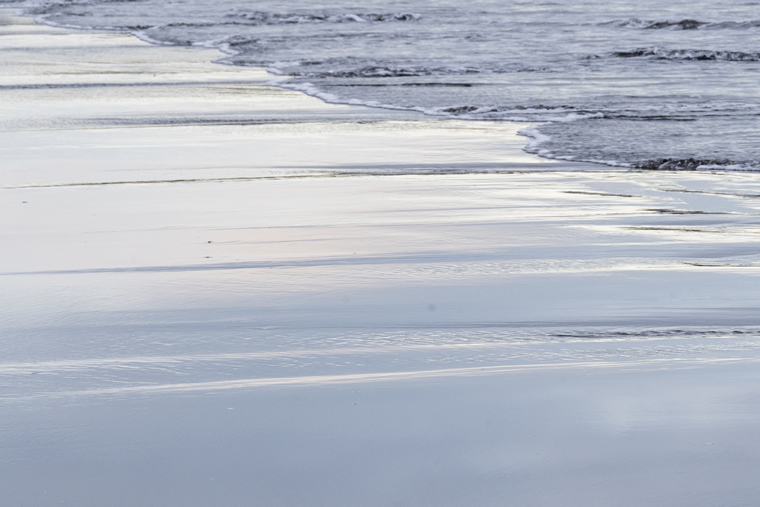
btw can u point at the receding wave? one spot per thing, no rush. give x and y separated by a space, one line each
275 18
684 24
633 101
351 67
536 112
690 164
644 24
373 71
755 23
658 53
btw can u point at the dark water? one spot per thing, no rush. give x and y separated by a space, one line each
649 84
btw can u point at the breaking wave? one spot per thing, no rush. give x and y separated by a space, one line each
684 24
302 69
595 99
689 164
658 53
274 18
373 71
609 141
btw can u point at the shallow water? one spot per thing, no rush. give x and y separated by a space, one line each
216 292
646 84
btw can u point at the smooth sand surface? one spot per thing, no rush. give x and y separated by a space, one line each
216 292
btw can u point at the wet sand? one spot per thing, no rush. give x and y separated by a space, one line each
216 292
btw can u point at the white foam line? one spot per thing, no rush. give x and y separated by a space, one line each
50 366
132 362
323 380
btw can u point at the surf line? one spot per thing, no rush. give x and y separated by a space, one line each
322 380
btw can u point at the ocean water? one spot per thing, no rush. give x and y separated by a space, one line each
648 84
189 321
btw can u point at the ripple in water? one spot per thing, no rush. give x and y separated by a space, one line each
644 84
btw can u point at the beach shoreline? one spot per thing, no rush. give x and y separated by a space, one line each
217 292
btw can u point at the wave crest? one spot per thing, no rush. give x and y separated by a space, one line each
353 68
275 18
682 164
643 24
373 71
684 24
657 53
